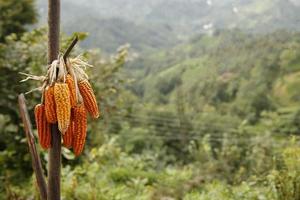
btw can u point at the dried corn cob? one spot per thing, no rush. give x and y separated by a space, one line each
63 106
50 109
89 98
71 85
68 136
80 126
43 127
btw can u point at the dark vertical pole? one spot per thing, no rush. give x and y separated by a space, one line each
55 151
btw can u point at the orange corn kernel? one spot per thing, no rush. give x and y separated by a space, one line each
89 98
80 128
68 136
63 106
71 85
43 127
50 109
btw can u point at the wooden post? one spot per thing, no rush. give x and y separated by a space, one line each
36 161
55 151
52 192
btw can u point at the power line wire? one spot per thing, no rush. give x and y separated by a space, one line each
162 123
180 137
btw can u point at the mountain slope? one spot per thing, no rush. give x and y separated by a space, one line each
107 29
161 24
231 72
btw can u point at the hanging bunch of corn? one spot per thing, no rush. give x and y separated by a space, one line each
67 97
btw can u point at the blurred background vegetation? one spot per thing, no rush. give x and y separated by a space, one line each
203 105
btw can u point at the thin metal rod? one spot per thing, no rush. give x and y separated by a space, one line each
55 150
36 161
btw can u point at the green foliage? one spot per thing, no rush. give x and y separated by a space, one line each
109 173
24 55
14 15
285 180
242 85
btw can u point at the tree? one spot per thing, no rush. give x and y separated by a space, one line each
14 15
23 55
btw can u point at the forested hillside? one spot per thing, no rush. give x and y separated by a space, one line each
220 82
225 69
208 109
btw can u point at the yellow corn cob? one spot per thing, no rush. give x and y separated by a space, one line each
43 127
50 109
89 98
80 126
71 85
63 106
